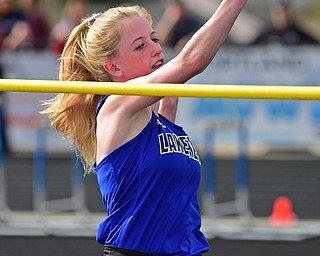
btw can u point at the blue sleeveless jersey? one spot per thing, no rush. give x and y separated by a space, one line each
149 187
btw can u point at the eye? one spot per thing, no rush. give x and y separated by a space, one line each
141 46
156 40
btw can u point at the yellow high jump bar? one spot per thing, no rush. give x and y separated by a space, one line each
156 89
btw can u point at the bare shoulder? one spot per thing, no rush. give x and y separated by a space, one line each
116 126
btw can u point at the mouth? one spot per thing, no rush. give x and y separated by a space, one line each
158 64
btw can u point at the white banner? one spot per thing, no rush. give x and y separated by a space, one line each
271 124
23 120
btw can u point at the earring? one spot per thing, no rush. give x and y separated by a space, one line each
119 73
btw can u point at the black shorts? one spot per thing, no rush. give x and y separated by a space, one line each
115 251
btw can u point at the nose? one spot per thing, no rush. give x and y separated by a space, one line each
157 49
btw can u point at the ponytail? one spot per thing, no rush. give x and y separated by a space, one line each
89 45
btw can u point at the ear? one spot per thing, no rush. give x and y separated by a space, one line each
112 69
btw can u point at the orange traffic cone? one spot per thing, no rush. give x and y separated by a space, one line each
282 214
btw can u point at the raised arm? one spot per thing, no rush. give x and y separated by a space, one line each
201 48
198 52
123 117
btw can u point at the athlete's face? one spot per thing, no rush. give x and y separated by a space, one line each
139 50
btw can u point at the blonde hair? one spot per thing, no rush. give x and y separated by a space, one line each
89 45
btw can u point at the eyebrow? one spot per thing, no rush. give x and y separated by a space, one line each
142 37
